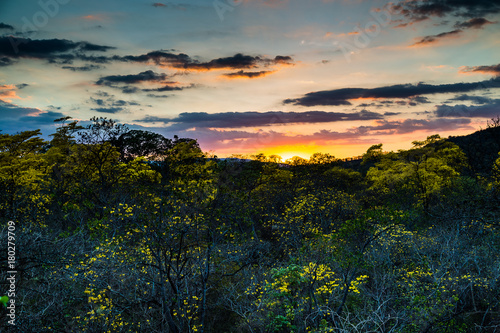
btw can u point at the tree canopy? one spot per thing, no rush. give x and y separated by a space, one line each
123 230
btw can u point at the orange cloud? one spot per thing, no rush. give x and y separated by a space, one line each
493 69
437 67
98 17
8 93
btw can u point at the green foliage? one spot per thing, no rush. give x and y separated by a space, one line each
22 169
373 154
137 143
127 231
422 172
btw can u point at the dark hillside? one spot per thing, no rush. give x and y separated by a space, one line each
481 148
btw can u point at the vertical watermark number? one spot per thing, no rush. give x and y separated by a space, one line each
9 301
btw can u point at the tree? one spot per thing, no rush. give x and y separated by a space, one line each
422 171
296 161
320 158
22 168
100 131
373 154
137 143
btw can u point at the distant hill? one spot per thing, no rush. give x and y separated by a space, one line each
481 148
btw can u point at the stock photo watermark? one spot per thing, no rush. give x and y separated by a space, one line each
30 26
8 300
222 7
364 35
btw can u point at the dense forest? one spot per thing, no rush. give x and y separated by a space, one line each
120 230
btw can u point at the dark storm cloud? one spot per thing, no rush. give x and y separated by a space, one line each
128 89
490 110
420 10
101 93
412 101
98 101
342 96
183 61
167 88
6 26
132 78
159 58
434 38
14 117
286 60
12 111
474 23
240 61
158 96
86 68
109 104
109 109
125 82
57 51
22 85
121 102
418 100
258 119
473 99
43 48
4 61
493 69
42 118
365 105
65 52
249 75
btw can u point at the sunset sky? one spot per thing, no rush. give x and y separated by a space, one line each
286 77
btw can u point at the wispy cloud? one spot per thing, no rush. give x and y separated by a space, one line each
474 23
247 75
492 69
109 109
433 39
6 26
487 110
473 99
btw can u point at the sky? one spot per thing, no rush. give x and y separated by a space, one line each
284 77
